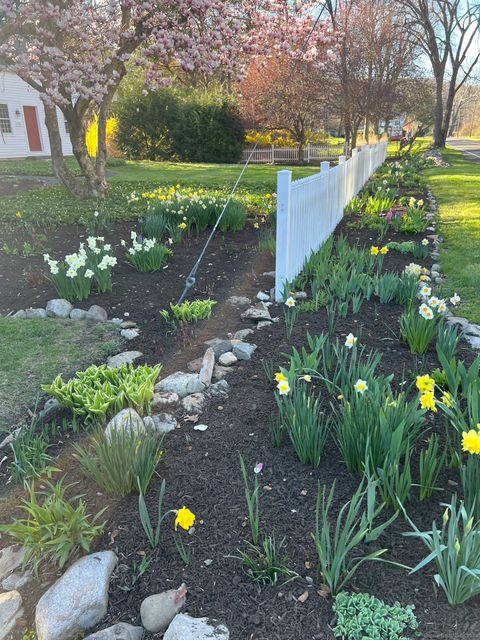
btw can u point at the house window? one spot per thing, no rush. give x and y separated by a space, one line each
5 124
67 128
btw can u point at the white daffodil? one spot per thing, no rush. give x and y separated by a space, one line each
455 299
350 341
88 273
442 307
290 302
426 312
361 386
434 302
425 291
425 242
283 387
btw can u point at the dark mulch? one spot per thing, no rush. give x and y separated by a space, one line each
202 471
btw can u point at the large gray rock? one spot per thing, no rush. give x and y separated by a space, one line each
473 341
130 334
96 313
10 610
184 627
220 388
472 330
17 581
120 631
219 346
78 314
158 610
242 334
126 357
219 373
183 384
34 314
208 363
11 559
78 600
194 403
20 314
59 308
264 297
125 419
244 350
161 423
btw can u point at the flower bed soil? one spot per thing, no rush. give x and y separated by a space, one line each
202 471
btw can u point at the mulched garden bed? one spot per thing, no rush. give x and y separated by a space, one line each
202 471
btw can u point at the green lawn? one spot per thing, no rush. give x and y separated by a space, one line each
35 351
457 188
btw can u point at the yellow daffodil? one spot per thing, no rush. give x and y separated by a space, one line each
425 384
279 377
384 250
374 251
307 377
256 225
283 388
18 215
185 519
447 399
419 203
268 196
340 397
182 226
471 441
427 401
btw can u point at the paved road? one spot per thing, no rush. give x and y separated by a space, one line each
471 148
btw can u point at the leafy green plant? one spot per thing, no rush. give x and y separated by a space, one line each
55 527
394 478
100 391
153 534
387 287
264 563
337 539
448 337
187 311
252 499
470 478
407 290
267 242
417 331
121 460
307 427
430 465
360 616
147 255
455 550
30 457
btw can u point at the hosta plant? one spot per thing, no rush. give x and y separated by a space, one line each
187 311
54 527
101 391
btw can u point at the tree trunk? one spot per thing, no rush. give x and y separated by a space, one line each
101 159
95 183
62 172
447 115
438 140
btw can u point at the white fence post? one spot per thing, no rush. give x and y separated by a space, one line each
282 252
273 154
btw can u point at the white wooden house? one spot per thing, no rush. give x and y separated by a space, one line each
23 133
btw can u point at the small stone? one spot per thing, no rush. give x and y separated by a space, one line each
208 562
436 267
10 559
120 631
263 324
269 274
50 406
208 364
20 314
78 600
264 297
59 308
195 365
472 330
126 357
130 334
220 388
78 314
434 274
164 399
158 610
181 383
258 312
219 372
128 324
33 314
96 313
194 403
463 322
227 359
10 610
299 295
116 321
125 419
242 334
184 627
10 438
244 350
219 346
16 581
200 427
473 341
238 301
161 422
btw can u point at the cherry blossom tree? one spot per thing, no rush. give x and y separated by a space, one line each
76 53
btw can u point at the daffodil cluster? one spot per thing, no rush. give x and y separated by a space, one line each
431 306
146 254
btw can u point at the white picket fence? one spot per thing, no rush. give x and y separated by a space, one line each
270 154
309 209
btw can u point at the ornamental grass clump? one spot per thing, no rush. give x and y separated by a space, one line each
455 550
122 460
55 528
146 254
98 392
360 616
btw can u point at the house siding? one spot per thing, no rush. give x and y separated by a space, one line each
16 94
